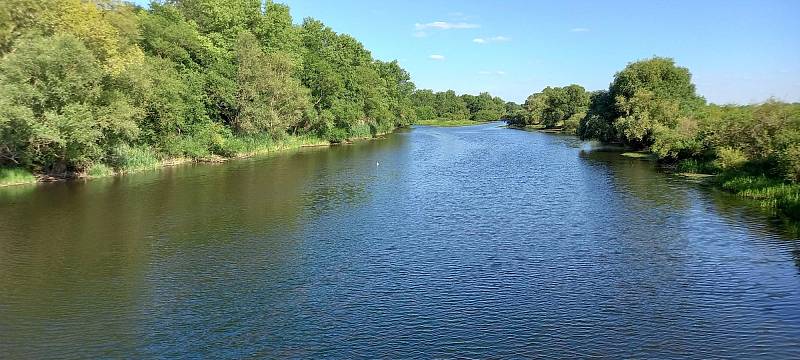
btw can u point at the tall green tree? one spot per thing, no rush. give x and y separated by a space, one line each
58 111
270 100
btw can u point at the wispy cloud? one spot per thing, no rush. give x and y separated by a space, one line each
444 25
492 72
436 57
579 30
457 15
493 39
420 34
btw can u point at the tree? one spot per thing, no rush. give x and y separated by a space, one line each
57 111
270 99
555 107
650 94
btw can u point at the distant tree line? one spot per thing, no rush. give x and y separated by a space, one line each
447 105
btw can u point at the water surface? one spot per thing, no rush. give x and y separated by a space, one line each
434 243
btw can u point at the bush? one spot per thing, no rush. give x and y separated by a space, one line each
336 135
791 162
729 159
695 166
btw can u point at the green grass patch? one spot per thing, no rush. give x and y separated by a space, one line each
447 122
256 145
15 176
130 158
99 170
771 193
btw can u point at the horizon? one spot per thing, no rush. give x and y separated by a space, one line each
738 52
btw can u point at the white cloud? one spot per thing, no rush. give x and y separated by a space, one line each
436 57
493 39
577 30
444 25
420 34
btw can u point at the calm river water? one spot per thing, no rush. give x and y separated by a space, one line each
477 242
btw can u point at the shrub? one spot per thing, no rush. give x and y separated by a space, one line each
729 159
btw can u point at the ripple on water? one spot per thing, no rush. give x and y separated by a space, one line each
475 242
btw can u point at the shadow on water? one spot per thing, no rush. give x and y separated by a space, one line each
110 250
688 200
651 184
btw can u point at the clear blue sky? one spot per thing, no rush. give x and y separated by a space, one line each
738 51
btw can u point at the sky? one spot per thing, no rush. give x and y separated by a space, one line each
738 51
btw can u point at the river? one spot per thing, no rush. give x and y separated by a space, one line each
471 242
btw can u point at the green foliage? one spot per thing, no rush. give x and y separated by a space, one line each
652 105
757 139
14 176
770 192
661 79
730 159
91 85
650 95
127 158
484 107
447 107
446 123
597 124
99 170
695 166
554 107
269 99
59 109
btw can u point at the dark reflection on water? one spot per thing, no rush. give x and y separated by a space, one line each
465 242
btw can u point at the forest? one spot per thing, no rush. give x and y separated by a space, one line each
652 106
100 87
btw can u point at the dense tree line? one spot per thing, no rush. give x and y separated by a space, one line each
447 105
105 82
653 105
553 107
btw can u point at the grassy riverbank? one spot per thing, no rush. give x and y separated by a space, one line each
135 159
15 176
772 193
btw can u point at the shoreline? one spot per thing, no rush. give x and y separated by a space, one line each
450 123
292 143
771 194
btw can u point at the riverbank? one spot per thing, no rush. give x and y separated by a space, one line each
138 159
448 122
544 129
772 194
